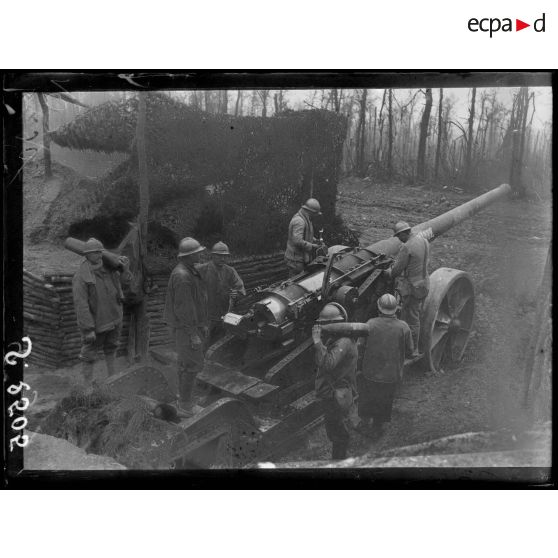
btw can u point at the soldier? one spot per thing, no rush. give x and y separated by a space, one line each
186 313
411 274
389 343
97 293
336 359
224 286
301 242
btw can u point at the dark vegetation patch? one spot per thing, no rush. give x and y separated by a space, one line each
251 173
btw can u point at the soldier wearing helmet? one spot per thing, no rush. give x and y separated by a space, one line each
186 313
98 296
224 286
301 243
336 360
410 270
389 343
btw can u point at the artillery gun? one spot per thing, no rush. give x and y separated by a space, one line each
258 379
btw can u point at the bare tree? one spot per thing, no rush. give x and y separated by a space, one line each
469 137
390 134
263 94
195 99
336 96
379 155
254 102
373 150
519 116
361 133
279 102
440 133
238 103
223 101
425 120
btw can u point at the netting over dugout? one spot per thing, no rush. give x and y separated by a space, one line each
249 173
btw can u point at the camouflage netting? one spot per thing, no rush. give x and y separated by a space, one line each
119 427
236 178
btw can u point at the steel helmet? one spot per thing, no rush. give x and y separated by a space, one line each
312 205
387 304
220 248
189 246
332 312
93 245
400 227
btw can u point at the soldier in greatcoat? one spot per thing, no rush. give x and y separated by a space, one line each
410 271
224 286
301 243
98 297
186 313
336 360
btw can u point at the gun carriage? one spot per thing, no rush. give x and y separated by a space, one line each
258 379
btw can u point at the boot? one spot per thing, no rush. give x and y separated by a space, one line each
109 361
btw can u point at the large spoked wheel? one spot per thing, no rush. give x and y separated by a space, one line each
447 317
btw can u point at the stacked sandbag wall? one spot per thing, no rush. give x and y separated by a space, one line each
50 319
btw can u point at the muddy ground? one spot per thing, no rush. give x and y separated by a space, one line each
504 248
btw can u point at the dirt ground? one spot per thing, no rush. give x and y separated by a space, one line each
504 248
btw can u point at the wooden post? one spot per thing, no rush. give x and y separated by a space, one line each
46 137
142 320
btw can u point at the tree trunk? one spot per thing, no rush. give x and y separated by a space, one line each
236 106
390 134
380 155
335 99
255 97
440 132
224 101
468 157
279 101
373 151
523 123
142 319
423 133
46 137
263 96
361 133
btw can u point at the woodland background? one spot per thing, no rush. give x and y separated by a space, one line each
471 138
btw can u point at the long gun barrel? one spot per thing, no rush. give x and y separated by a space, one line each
298 300
439 225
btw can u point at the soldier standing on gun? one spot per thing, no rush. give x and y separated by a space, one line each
301 242
389 343
336 359
223 288
411 274
97 293
186 313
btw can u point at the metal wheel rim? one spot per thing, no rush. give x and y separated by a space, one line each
447 317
